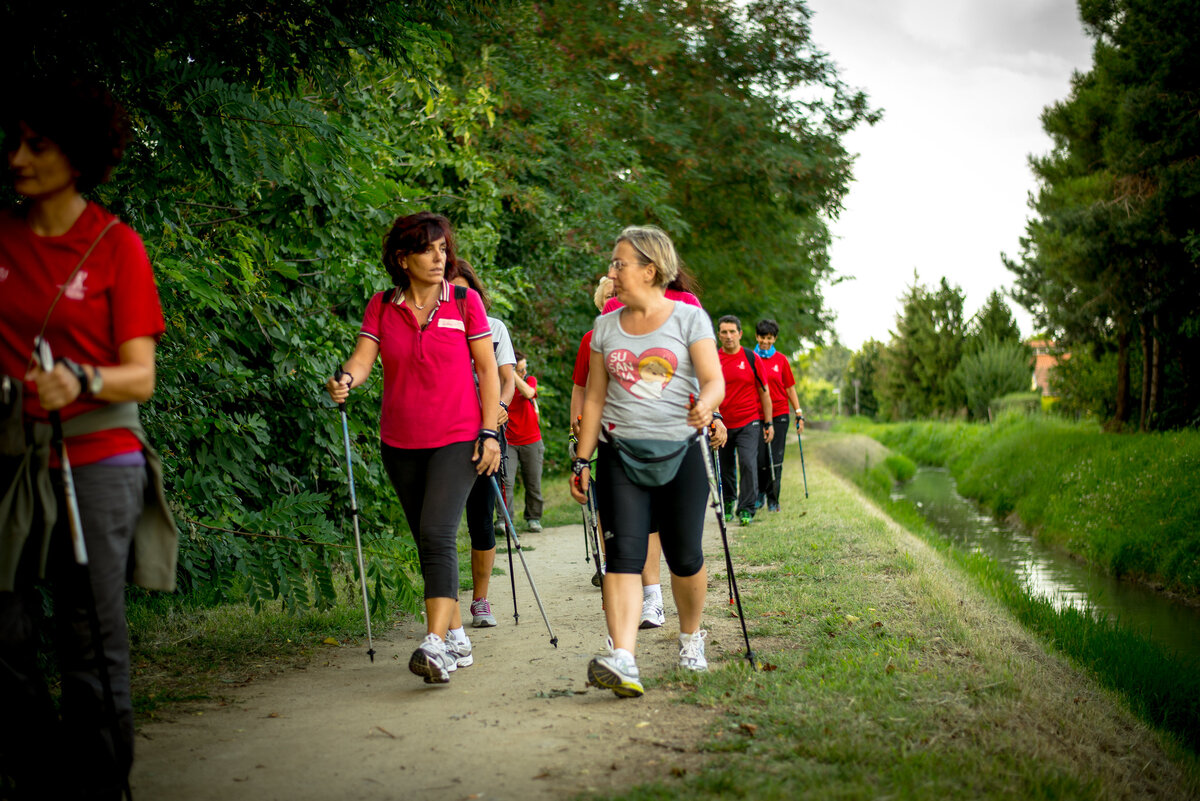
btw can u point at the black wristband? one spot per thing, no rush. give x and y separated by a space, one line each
487 433
80 374
578 464
717 416
504 406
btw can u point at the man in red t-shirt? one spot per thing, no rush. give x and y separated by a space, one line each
740 430
782 387
525 447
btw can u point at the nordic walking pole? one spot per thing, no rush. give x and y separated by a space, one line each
362 570
509 525
587 552
715 495
800 441
716 460
45 359
593 518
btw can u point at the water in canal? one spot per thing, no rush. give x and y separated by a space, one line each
1048 572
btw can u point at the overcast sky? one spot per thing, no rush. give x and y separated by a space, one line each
941 184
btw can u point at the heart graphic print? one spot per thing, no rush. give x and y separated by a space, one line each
643 376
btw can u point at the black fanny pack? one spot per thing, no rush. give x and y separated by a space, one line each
650 462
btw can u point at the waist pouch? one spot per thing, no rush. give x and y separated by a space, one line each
650 462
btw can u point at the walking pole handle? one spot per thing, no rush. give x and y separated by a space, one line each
338 374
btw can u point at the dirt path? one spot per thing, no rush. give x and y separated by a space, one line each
518 724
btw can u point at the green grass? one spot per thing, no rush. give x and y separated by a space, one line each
1159 685
894 678
1126 503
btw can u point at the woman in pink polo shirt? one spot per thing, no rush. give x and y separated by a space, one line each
437 433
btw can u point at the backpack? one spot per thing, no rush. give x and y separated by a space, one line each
750 357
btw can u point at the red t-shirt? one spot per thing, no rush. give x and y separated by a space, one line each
523 427
583 356
429 395
778 374
111 300
741 405
672 294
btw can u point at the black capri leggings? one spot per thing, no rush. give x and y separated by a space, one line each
432 484
481 508
629 511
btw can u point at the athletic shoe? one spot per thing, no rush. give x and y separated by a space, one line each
728 517
761 501
728 510
535 526
772 507
616 671
481 614
691 651
459 653
431 661
652 613
745 518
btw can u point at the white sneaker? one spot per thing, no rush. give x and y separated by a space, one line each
431 661
481 614
459 653
652 613
691 651
616 671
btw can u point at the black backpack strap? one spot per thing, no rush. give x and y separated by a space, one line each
750 357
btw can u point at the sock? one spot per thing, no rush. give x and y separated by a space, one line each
458 635
652 591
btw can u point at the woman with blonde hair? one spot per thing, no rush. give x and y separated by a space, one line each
649 453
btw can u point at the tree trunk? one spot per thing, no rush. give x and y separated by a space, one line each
1156 372
1144 420
1121 413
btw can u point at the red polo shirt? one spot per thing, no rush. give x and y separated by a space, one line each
741 405
778 373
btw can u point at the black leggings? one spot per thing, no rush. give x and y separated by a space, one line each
432 484
481 508
630 512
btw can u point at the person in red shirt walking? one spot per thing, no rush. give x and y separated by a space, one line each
526 451
782 386
72 273
740 430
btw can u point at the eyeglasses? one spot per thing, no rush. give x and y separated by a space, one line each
618 265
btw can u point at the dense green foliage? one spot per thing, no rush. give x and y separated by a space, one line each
990 371
1107 265
275 141
1158 683
1126 504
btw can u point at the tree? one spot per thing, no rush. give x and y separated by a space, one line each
865 367
926 347
993 322
995 369
1105 260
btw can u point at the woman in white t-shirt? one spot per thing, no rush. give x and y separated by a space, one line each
649 456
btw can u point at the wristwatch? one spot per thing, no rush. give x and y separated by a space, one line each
96 383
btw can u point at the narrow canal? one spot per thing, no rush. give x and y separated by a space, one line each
1048 572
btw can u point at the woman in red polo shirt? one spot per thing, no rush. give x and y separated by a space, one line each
437 433
75 275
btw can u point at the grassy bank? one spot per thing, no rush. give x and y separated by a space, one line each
898 677
1126 503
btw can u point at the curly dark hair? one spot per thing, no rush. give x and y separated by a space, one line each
83 119
414 233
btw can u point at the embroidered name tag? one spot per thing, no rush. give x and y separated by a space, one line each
457 325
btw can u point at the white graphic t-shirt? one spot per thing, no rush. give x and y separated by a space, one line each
650 376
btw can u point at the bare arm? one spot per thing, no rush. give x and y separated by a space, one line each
577 393
712 384
507 389
487 458
589 427
764 397
366 350
527 392
131 380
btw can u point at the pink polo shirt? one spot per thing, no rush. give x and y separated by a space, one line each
429 395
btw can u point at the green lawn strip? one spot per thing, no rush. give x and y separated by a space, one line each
1127 503
897 676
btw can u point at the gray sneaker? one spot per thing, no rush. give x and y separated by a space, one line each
616 671
534 525
460 653
652 613
481 614
431 661
691 651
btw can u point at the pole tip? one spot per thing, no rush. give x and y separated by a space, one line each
371 653
554 641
